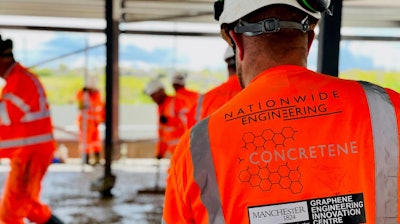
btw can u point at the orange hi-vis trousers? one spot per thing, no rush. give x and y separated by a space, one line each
21 192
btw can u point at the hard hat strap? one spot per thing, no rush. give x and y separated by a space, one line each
270 25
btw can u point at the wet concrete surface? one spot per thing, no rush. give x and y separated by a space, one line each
137 193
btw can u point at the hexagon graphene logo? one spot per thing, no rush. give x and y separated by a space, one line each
263 175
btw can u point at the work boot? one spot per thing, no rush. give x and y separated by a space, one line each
87 159
54 220
96 158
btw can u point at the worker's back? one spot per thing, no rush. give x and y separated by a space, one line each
293 146
302 150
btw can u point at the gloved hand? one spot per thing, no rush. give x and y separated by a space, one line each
163 119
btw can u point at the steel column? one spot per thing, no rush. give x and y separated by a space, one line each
329 40
111 142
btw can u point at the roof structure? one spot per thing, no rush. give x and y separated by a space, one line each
356 13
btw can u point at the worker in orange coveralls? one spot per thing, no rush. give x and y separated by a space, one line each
171 122
26 138
91 115
218 96
189 97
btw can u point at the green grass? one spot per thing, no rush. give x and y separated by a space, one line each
385 79
61 89
61 85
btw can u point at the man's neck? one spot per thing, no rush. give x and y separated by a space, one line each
8 67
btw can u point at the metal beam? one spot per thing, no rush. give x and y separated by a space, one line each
178 33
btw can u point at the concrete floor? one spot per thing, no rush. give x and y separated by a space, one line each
66 188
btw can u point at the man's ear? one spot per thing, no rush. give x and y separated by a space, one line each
311 36
238 41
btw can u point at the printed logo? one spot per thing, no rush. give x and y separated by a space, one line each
344 209
286 108
260 174
284 213
267 160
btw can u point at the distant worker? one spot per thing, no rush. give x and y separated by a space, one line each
91 114
218 96
190 97
294 146
171 114
26 138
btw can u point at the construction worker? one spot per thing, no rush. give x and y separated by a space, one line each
184 94
26 139
171 114
294 146
91 114
218 96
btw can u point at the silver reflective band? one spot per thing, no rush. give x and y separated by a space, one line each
270 25
386 151
4 117
4 144
204 172
34 116
17 101
198 108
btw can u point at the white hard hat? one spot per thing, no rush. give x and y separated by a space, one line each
153 86
91 81
3 82
236 9
229 53
179 78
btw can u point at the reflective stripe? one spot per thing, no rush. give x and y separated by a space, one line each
36 116
17 101
385 134
198 108
93 117
204 172
4 117
4 144
172 106
20 103
173 142
29 116
183 115
43 110
166 128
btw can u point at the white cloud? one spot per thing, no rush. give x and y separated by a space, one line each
28 40
188 52
383 54
147 42
201 52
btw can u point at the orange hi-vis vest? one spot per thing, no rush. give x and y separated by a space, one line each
171 125
292 147
214 99
189 98
91 115
24 112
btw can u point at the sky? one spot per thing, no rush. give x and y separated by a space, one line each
191 53
33 47
144 51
